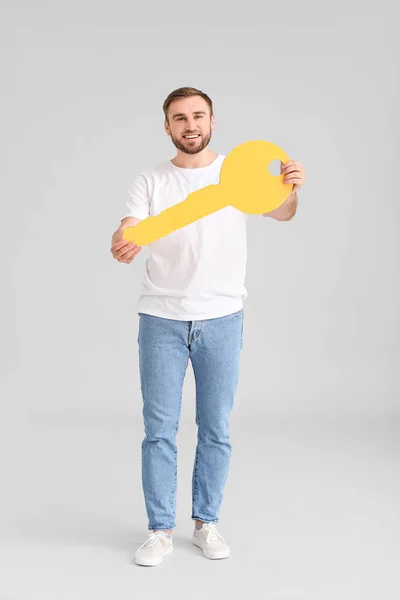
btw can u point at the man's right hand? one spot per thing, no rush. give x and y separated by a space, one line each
123 250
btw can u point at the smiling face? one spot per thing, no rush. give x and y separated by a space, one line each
190 124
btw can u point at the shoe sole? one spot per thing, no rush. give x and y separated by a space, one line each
211 555
152 562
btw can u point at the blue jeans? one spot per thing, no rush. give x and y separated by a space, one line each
165 347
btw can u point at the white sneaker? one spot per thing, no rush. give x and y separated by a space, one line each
210 541
152 552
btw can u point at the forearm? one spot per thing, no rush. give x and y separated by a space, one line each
287 210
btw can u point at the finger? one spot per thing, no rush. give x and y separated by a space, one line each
121 252
118 245
293 180
293 176
130 255
130 246
291 163
134 249
292 168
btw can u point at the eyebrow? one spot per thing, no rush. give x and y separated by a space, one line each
196 112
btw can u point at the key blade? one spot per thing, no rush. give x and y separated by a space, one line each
197 204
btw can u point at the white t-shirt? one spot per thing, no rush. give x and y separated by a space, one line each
198 271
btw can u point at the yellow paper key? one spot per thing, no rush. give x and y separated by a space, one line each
244 183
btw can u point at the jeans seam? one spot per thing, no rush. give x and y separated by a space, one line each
197 445
176 450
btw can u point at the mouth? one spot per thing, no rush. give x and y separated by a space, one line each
191 136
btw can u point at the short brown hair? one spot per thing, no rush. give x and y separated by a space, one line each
185 92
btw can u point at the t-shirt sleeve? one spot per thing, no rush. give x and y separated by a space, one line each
138 200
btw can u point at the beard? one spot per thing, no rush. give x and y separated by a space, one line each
192 146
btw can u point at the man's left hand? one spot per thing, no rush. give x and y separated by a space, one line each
293 173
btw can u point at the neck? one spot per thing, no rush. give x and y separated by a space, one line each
194 161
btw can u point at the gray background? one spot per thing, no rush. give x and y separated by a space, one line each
318 400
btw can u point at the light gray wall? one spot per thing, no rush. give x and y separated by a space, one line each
82 89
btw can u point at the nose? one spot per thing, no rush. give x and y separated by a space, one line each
191 126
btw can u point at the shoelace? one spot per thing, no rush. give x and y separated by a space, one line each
213 535
152 541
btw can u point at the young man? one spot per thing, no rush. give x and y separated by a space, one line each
191 308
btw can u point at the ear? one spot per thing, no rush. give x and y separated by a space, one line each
212 122
167 128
